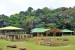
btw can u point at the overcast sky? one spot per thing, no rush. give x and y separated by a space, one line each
9 7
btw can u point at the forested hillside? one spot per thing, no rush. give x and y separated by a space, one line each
49 18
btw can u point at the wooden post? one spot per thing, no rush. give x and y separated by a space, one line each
14 38
62 33
18 37
8 37
71 33
4 36
46 34
23 36
41 35
74 30
38 34
54 34
11 37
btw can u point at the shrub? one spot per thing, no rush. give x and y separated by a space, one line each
65 39
22 48
0 48
12 46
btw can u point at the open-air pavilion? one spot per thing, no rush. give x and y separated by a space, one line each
12 33
39 31
66 31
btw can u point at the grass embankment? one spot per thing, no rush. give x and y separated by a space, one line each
31 45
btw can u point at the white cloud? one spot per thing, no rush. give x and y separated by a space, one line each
3 9
70 3
9 7
19 2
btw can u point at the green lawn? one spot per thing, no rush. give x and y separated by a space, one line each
31 45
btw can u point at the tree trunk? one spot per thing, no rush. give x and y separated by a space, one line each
54 34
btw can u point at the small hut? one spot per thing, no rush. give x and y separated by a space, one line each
39 30
12 33
66 31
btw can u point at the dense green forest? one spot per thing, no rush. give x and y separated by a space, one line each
49 18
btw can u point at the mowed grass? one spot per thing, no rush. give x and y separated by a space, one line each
32 45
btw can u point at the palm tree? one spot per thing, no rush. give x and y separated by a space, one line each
30 20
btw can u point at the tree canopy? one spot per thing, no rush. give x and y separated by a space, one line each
49 18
